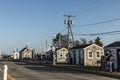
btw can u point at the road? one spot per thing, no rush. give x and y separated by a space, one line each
22 71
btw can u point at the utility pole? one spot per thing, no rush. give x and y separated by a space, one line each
69 22
46 43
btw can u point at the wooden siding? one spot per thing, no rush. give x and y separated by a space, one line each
94 60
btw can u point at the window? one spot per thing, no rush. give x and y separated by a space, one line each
98 54
90 54
61 54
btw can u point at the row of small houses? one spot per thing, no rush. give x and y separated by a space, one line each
27 53
86 55
89 54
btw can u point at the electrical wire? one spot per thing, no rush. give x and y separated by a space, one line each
62 30
103 33
92 5
87 7
97 23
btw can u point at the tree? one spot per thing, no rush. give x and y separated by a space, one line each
61 40
58 36
90 42
83 41
98 41
77 43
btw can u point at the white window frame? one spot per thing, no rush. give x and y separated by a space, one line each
99 54
61 55
89 54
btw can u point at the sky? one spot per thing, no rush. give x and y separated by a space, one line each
30 22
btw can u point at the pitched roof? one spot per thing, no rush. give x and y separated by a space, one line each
61 49
80 46
114 44
25 48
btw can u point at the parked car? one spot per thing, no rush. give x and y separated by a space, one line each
46 62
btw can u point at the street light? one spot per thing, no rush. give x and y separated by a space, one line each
53 51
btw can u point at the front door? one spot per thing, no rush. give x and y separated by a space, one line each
74 57
118 57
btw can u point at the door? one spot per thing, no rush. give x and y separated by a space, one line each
74 57
118 58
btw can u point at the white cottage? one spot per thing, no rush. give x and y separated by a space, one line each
61 55
87 55
1 55
26 53
114 49
15 55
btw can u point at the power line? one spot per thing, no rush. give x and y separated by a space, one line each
94 5
97 23
103 33
63 30
87 7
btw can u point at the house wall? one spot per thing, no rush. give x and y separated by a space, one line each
27 54
81 57
16 55
62 56
1 56
94 60
77 56
73 56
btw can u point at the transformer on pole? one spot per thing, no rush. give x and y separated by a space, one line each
69 22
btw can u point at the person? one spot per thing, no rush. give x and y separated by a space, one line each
110 62
111 67
107 59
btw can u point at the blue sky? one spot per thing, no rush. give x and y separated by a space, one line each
28 21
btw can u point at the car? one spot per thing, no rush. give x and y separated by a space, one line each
46 62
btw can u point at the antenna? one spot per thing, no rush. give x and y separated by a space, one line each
27 45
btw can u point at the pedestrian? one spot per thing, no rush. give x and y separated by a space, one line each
107 60
111 63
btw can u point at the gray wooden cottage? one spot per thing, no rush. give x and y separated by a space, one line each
114 48
87 55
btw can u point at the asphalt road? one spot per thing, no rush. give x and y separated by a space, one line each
22 71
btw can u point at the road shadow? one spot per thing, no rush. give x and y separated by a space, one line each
50 69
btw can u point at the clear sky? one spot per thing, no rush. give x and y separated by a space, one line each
29 21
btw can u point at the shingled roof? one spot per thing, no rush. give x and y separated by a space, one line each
80 46
114 44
